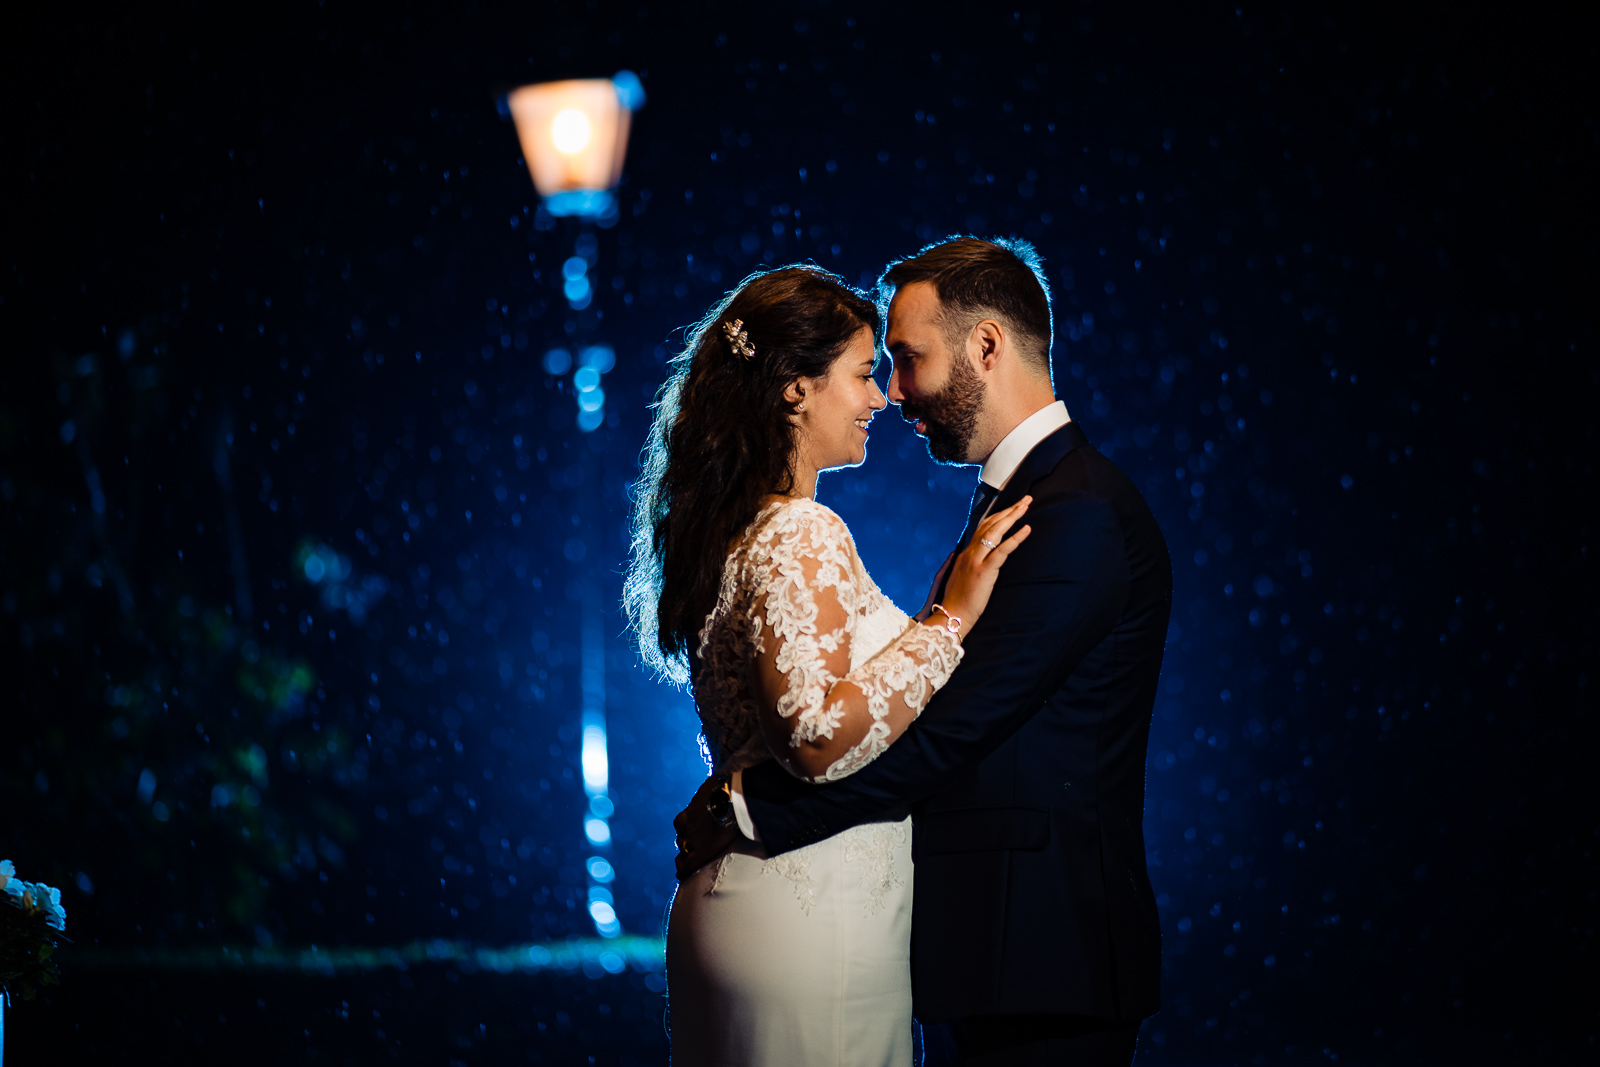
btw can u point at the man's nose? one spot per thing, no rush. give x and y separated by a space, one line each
896 397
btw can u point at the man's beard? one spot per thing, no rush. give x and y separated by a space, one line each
950 416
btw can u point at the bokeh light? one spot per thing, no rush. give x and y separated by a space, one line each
317 458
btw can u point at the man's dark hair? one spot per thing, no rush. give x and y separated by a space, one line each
1000 278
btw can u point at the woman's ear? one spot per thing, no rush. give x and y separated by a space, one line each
795 392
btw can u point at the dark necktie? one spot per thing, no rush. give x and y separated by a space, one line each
980 506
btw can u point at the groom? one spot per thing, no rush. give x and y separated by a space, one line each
1035 938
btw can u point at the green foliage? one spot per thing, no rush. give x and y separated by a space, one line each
169 715
27 945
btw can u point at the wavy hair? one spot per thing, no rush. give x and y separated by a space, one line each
723 437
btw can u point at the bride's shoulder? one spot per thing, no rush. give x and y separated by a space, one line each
804 511
798 519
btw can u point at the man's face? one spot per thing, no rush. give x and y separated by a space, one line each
935 387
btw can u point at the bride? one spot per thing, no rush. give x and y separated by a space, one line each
746 587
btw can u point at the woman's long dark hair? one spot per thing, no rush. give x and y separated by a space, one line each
723 438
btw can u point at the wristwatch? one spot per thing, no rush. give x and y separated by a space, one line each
719 805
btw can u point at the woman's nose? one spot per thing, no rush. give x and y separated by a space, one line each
878 402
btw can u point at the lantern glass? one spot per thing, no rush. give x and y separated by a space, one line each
574 136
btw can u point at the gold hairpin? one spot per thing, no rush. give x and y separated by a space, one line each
738 338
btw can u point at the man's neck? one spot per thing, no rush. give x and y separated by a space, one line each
1009 416
1009 454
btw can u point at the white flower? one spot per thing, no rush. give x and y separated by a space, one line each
10 884
50 903
37 897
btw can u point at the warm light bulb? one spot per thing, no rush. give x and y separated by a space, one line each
574 136
570 131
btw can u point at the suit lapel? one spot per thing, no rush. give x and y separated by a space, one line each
1038 463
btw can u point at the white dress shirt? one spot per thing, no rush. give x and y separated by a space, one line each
997 470
1015 446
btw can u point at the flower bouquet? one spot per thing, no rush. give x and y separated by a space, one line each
31 916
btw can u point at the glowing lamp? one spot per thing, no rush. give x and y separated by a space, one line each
574 136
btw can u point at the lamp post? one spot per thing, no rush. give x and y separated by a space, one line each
574 137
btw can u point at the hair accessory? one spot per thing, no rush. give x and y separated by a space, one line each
738 338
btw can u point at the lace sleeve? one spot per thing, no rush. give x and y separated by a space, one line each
822 719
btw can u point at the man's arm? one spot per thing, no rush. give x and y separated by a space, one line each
1054 602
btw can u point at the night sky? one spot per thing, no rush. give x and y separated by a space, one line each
298 527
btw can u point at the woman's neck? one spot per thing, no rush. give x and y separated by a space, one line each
803 482
804 485
778 498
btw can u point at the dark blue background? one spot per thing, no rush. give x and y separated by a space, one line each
1323 287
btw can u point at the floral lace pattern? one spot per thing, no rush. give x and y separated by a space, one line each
796 582
797 868
874 845
796 576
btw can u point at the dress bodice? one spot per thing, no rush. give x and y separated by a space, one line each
793 555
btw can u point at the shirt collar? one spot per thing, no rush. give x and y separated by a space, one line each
1015 446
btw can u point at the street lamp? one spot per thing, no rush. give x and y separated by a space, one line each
574 136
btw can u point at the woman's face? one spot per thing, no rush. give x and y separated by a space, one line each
833 426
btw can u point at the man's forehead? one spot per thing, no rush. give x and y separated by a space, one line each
914 308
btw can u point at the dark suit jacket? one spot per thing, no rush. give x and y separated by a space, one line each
1025 773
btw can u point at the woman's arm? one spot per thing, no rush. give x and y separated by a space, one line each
821 719
1047 616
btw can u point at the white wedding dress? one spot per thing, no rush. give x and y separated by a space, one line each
802 959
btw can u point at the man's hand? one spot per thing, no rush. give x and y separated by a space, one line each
701 838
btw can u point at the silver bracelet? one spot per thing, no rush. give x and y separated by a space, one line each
951 622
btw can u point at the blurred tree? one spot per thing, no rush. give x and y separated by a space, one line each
211 735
